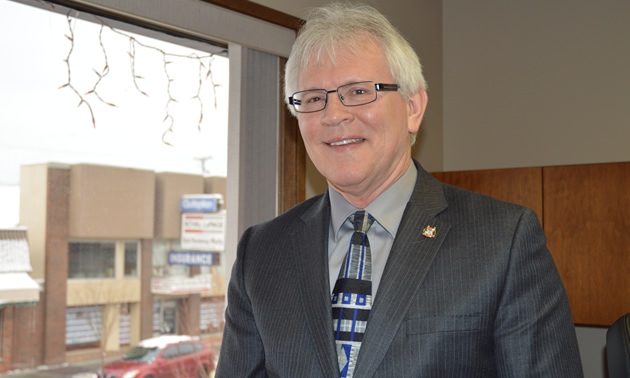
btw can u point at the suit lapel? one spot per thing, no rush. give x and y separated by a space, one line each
408 263
310 246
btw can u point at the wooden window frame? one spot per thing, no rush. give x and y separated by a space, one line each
291 154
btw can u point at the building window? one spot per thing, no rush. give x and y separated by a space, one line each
211 315
125 324
92 260
161 267
131 259
164 317
83 326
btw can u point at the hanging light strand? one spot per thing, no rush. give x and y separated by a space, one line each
205 73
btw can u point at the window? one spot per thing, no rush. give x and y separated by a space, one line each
98 259
161 267
124 330
131 259
211 315
40 136
83 326
164 317
141 354
186 348
62 132
92 260
170 352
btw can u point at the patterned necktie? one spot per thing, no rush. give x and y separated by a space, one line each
352 295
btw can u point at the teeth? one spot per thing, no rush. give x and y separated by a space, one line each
346 141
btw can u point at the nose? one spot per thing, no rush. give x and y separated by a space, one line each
335 111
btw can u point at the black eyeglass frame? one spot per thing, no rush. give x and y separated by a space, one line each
379 87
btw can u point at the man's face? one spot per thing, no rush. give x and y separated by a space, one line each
360 150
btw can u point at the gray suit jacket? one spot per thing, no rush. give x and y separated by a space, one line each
482 298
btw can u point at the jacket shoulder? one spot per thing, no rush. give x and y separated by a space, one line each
310 207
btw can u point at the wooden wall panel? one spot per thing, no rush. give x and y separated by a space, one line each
517 185
587 222
292 157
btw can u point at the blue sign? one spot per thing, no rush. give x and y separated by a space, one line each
192 258
199 204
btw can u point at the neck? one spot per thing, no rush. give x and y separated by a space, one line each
363 197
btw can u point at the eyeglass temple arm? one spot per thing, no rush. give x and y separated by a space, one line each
386 87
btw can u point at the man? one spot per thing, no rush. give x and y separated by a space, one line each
433 281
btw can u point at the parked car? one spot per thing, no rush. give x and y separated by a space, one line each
165 356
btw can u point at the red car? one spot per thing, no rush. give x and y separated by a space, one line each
163 356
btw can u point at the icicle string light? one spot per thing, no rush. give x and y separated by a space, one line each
205 73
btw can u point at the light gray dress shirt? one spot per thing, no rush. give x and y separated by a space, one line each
387 209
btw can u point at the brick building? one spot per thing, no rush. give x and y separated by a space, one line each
101 240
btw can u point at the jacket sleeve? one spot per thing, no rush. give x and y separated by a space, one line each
242 351
534 331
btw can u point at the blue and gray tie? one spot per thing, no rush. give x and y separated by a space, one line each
352 295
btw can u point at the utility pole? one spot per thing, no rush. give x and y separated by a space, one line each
204 172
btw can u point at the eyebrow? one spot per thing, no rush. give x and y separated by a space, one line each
341 85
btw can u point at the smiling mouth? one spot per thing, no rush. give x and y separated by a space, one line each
346 141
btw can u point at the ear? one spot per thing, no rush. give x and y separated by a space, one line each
416 106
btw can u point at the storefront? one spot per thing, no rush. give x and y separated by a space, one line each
188 282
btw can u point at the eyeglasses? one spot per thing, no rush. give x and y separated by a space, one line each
354 94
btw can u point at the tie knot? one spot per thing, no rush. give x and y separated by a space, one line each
361 220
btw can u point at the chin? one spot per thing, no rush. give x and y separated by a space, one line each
345 181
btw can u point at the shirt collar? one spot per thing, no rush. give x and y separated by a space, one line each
387 208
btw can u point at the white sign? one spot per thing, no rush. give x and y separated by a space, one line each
203 231
182 285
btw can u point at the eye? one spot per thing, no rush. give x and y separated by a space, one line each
313 99
358 90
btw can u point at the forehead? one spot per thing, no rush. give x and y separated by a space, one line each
338 65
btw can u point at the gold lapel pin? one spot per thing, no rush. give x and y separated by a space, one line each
429 232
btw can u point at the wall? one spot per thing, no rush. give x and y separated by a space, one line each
110 202
92 291
33 212
170 187
535 83
7 321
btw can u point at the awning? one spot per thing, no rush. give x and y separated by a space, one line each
18 288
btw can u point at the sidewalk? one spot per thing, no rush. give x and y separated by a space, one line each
86 369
